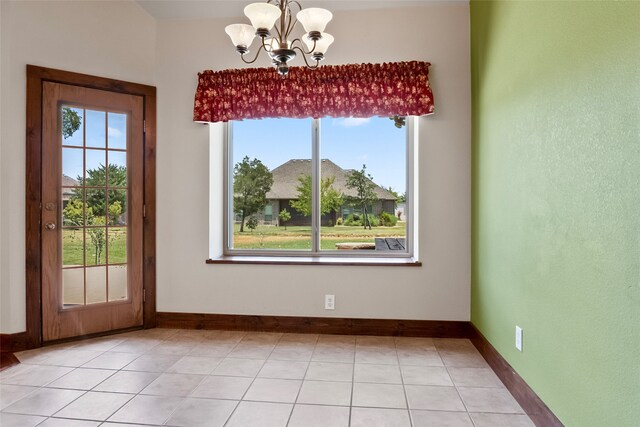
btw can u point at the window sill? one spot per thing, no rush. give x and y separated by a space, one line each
290 260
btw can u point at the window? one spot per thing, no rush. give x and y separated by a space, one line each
322 187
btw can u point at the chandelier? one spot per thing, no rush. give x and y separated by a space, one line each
281 49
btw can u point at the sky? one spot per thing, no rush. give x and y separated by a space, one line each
348 142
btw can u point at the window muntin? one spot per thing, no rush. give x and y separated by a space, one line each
300 155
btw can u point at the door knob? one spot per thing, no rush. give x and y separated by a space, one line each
50 226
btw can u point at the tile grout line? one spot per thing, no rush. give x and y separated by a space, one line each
295 402
353 379
456 388
404 389
252 381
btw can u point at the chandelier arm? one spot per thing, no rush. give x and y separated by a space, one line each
257 54
302 46
304 56
292 21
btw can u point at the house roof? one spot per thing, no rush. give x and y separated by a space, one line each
285 179
67 181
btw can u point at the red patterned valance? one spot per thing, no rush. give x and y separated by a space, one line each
357 90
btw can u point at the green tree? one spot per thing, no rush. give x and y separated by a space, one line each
96 198
362 183
71 122
284 216
330 198
252 223
252 180
115 210
73 213
97 235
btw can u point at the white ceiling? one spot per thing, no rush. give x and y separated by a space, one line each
201 9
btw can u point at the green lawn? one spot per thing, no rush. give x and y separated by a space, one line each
73 250
299 237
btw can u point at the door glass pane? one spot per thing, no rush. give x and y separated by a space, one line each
73 207
117 207
96 176
117 168
117 130
96 285
363 182
117 245
264 174
72 287
72 166
72 247
96 206
96 122
72 119
96 243
117 282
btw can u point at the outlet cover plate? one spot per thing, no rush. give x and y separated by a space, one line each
329 302
519 338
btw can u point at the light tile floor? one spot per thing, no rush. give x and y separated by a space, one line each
227 378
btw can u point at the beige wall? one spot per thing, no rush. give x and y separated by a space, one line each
438 290
117 39
110 39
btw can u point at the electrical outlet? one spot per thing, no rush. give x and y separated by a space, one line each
329 302
518 337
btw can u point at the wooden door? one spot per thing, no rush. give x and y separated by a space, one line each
92 211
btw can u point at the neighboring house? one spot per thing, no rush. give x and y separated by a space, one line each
67 193
285 188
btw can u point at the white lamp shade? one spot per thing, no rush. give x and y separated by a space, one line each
321 45
274 43
314 18
240 34
262 15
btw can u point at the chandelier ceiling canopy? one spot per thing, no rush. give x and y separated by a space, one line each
278 15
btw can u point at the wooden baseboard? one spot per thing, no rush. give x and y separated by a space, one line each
7 360
315 325
9 344
532 405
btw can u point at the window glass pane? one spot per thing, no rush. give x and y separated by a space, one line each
96 284
72 166
96 135
96 243
96 172
73 207
117 282
117 130
363 180
72 287
72 126
72 247
95 206
270 161
117 207
117 245
117 168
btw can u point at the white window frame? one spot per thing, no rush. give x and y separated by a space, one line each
412 132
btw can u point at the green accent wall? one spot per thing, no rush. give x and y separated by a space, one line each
556 200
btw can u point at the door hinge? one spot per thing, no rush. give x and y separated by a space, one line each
144 295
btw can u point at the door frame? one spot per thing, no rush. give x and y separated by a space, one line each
36 76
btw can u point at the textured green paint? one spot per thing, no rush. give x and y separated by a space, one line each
556 209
